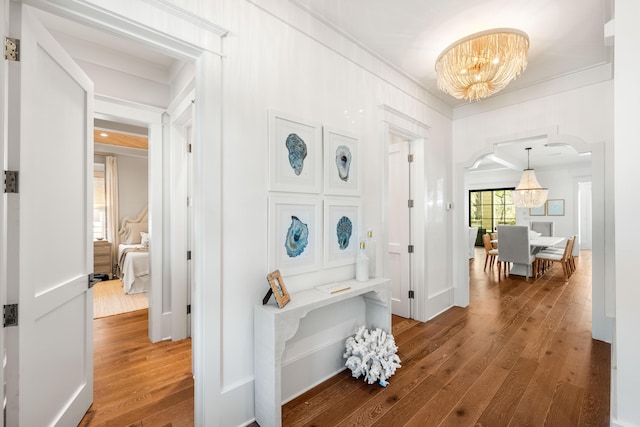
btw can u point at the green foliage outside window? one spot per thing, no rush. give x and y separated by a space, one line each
490 208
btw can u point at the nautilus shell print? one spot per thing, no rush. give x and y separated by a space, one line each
297 237
344 228
297 152
343 162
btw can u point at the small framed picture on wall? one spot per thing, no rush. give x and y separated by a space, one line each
555 207
539 211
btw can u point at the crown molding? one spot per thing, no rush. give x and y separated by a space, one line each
566 82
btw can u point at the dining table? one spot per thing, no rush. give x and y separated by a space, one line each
536 245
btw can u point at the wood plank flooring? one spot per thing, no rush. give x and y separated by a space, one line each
137 383
521 354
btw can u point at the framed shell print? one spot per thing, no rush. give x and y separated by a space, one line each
341 231
295 235
341 163
295 154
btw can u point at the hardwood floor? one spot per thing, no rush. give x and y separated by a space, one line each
521 354
137 383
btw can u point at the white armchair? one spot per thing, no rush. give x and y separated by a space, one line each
515 248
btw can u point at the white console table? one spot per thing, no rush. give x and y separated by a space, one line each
274 326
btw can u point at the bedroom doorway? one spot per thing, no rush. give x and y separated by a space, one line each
120 191
197 41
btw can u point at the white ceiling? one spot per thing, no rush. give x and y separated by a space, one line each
543 155
565 36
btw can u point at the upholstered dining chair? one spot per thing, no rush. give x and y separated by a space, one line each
514 247
565 259
490 253
494 236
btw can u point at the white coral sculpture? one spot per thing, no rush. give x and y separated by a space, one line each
372 354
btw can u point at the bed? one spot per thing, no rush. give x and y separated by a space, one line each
133 254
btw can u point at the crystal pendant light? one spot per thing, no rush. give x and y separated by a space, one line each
529 193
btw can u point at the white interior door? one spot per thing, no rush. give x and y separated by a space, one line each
399 229
50 351
190 290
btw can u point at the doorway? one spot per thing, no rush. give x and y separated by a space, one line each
201 45
602 304
400 247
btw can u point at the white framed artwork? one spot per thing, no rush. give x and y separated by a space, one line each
341 231
342 163
295 154
295 235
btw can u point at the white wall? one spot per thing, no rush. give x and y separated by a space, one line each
625 371
270 65
132 185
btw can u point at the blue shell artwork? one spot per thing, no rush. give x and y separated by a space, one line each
297 237
297 152
343 231
343 162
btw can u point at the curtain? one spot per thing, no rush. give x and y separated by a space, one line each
111 196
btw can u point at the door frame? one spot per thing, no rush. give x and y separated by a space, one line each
3 199
150 117
200 41
396 140
180 118
397 124
602 292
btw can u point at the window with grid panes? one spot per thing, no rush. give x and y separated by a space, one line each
490 208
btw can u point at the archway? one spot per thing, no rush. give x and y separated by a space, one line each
602 296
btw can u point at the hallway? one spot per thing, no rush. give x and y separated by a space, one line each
137 382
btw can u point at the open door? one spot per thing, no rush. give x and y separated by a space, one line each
399 228
49 369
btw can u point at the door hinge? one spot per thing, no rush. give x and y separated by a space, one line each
188 148
10 315
410 248
188 255
411 295
410 158
11 49
188 308
10 181
410 203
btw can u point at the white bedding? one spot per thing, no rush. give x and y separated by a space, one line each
134 271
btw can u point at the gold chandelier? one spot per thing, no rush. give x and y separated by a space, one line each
482 64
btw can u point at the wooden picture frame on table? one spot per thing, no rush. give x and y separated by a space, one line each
277 287
555 207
